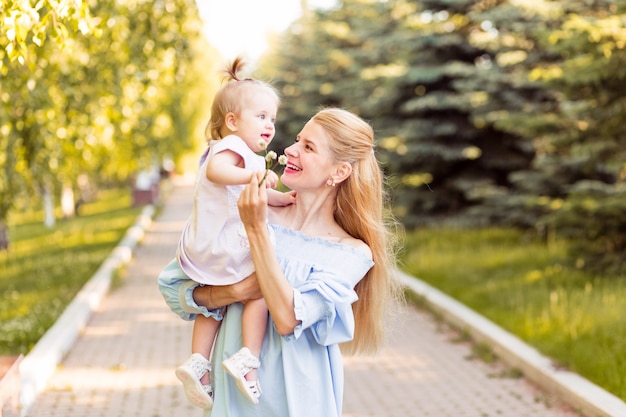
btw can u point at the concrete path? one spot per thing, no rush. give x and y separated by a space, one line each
123 362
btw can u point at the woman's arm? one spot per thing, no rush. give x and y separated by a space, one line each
277 292
214 297
188 299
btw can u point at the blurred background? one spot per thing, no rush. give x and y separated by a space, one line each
497 122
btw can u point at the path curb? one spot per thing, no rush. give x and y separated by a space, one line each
578 392
40 363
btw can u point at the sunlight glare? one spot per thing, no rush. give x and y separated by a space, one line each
241 27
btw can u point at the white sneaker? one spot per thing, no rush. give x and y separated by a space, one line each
189 374
238 365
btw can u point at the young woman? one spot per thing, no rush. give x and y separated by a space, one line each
326 281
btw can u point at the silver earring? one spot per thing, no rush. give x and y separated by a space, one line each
330 182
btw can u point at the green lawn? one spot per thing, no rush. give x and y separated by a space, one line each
527 287
44 268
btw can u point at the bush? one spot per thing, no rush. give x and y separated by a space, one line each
593 217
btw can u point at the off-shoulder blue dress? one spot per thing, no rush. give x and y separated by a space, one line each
301 374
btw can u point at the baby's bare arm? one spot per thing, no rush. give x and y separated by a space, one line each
226 168
277 198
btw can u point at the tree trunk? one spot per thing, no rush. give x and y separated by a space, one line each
48 209
4 236
68 205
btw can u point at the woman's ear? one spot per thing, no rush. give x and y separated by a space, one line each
343 172
230 120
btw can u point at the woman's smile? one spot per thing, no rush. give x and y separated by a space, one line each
292 168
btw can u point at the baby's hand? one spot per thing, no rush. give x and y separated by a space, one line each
271 180
279 199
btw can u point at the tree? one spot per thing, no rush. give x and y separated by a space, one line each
486 112
430 92
105 104
591 75
575 184
23 24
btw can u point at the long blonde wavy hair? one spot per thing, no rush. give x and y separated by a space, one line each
360 211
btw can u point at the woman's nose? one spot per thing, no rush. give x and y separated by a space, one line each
289 150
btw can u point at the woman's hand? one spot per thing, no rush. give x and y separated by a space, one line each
277 291
252 205
213 297
246 290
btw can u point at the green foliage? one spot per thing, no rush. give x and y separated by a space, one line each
44 268
586 158
600 245
23 24
101 104
485 112
431 93
526 285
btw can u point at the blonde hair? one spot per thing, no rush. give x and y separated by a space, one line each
231 96
359 210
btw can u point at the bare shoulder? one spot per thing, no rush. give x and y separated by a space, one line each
357 244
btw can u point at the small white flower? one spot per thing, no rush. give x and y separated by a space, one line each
270 158
271 155
262 144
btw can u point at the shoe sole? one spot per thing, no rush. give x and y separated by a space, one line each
241 382
193 390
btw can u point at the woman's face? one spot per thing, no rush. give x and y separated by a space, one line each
310 160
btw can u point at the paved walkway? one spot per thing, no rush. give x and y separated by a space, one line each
123 362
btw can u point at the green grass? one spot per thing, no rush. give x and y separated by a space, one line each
527 287
44 268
